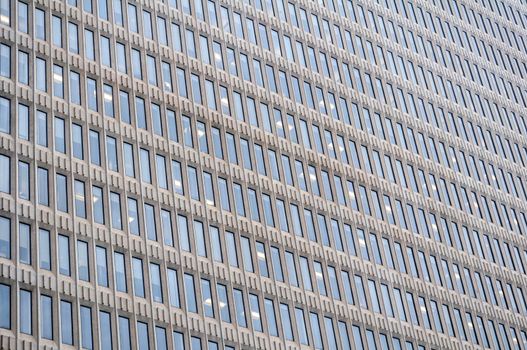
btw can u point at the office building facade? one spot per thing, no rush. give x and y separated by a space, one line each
263 174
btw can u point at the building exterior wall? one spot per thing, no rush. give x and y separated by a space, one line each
263 174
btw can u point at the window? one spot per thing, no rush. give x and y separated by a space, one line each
5 306
105 330
23 118
208 188
277 264
61 193
91 91
42 185
64 255
137 272
177 177
44 248
202 137
23 180
106 57
83 266
177 338
166 225
23 17
215 242
40 74
98 205
133 217
42 128
190 293
147 24
124 334
128 155
66 322
193 183
290 262
320 278
223 303
167 76
121 58
286 322
23 67
40 23
206 298
108 100
161 339
195 343
86 327
73 38
151 70
115 210
46 317
240 308
88 6
155 278
262 259
5 61
238 199
120 272
25 312
173 288
102 268
255 312
150 223
247 255
89 45
80 204
56 30
271 317
75 88
184 240
5 179
24 243
145 165
181 80
232 255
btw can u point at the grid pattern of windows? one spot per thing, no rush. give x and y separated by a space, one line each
334 174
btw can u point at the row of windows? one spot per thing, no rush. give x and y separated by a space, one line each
447 31
466 13
417 14
197 7
159 226
339 110
479 47
110 335
451 61
502 8
281 167
491 250
269 316
425 48
356 45
333 187
364 122
109 108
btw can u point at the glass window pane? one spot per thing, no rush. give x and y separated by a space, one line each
124 334
105 330
46 317
142 336
25 311
66 322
